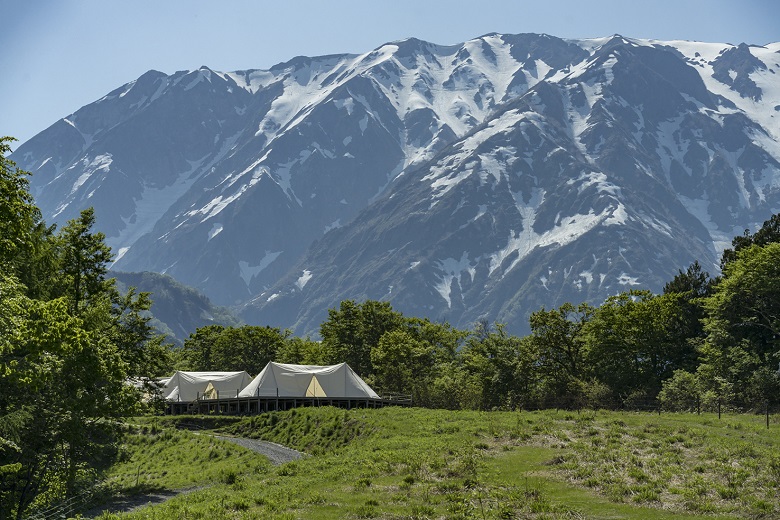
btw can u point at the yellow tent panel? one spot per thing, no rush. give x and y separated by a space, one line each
315 390
210 392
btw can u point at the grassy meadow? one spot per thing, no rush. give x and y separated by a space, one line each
397 463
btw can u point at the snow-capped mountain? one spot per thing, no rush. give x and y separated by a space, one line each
479 180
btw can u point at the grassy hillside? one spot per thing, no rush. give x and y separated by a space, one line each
398 463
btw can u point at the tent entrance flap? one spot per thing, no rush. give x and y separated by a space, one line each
210 392
315 389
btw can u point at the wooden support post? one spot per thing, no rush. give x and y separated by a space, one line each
767 413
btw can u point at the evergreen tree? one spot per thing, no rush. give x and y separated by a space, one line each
84 258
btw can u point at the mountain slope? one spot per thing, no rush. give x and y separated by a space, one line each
224 180
177 311
478 180
605 177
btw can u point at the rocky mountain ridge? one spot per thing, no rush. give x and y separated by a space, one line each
473 181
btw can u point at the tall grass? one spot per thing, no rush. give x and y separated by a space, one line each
412 463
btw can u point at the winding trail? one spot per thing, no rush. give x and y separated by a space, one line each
276 454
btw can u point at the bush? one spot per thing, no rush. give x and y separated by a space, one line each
681 392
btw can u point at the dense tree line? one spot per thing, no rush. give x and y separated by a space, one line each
702 342
69 341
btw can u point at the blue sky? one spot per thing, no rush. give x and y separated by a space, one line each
58 55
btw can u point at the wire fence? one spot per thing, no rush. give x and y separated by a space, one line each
768 410
71 506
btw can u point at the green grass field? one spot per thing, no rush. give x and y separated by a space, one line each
397 463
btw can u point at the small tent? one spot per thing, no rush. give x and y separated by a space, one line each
189 386
282 380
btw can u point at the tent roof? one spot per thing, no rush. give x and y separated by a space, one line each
283 380
188 386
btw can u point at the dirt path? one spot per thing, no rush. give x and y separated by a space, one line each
276 453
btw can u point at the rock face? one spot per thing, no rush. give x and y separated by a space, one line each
475 181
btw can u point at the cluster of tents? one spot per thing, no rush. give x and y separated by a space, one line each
275 380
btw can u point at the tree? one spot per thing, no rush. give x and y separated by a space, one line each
140 346
681 392
743 324
66 342
768 234
633 344
557 337
421 359
18 214
402 363
300 351
352 330
695 282
199 348
84 260
691 287
62 384
248 348
500 368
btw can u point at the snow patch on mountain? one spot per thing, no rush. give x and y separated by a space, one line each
625 279
443 180
216 229
700 208
151 206
302 280
100 162
333 225
598 179
249 271
215 206
568 230
451 269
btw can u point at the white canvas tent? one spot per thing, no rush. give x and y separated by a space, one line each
188 386
335 382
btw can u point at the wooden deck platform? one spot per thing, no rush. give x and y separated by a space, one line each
258 405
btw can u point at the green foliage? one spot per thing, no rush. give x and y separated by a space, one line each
557 336
248 348
768 234
501 368
18 214
681 392
84 259
408 360
399 360
61 385
68 342
354 329
695 282
743 325
300 351
634 343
